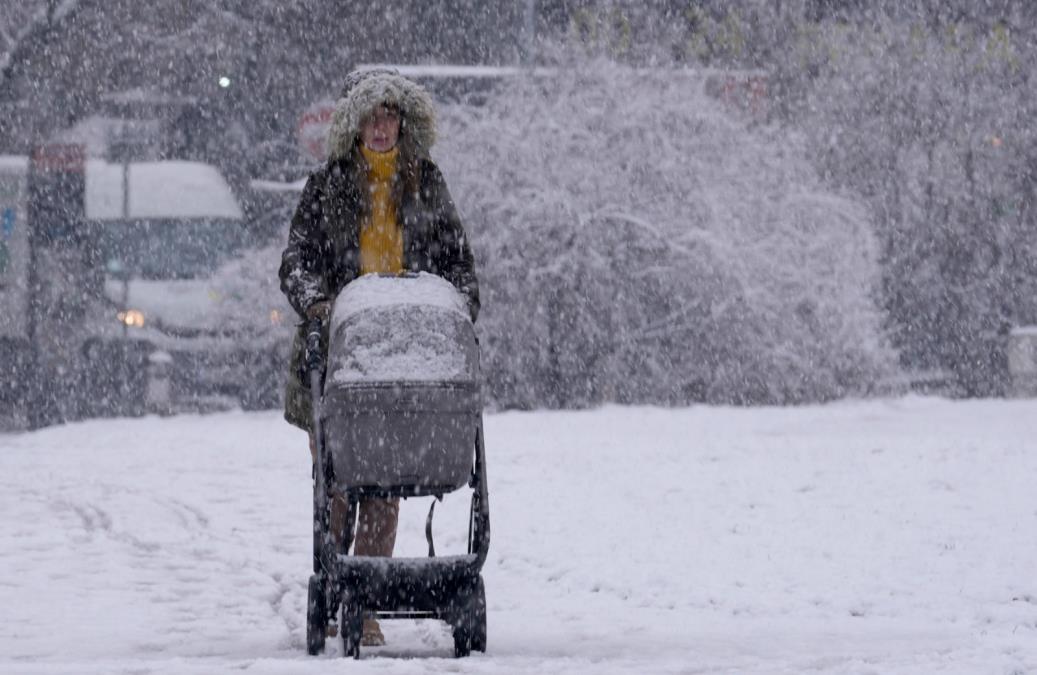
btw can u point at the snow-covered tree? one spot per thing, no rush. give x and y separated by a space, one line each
639 242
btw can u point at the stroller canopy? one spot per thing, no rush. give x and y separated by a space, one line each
412 328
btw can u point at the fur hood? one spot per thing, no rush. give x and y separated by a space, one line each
363 92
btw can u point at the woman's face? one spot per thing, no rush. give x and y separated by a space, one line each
380 130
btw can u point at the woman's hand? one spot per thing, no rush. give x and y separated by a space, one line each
319 310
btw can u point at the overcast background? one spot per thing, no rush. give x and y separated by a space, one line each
738 202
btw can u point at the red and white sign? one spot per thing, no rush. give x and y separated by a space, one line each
314 125
746 90
59 157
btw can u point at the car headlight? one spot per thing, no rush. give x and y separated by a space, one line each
132 317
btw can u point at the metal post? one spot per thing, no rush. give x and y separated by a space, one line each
529 33
125 188
34 381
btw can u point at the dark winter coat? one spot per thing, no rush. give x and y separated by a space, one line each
323 252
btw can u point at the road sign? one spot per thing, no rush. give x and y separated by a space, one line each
314 124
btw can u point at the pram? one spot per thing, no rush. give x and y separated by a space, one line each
397 413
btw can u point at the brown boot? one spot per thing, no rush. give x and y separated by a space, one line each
372 635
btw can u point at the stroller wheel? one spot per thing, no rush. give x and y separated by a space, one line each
316 615
352 628
479 618
470 629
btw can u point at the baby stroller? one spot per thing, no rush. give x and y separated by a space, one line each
397 413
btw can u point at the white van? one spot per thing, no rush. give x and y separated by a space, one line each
123 317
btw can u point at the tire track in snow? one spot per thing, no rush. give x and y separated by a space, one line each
285 603
96 520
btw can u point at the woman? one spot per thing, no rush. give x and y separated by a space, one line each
379 205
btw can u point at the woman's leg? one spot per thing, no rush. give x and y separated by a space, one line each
376 527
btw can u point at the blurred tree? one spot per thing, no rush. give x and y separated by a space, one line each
929 121
249 66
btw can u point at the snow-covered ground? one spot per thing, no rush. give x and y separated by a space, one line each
894 536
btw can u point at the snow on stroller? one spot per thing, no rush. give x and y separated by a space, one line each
399 415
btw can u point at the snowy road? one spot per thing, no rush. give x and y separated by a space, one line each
880 537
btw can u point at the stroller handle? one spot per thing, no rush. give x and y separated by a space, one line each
314 357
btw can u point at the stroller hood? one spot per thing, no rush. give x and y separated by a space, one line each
405 329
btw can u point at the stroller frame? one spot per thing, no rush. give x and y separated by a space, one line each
448 588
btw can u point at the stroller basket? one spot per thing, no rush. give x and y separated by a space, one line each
401 406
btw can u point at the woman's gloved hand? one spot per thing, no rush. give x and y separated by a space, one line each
319 310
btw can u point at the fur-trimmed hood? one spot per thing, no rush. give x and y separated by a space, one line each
366 90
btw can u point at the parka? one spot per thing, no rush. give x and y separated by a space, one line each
323 250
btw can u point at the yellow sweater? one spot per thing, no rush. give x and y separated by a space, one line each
381 238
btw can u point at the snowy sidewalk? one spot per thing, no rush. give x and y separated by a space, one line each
878 537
